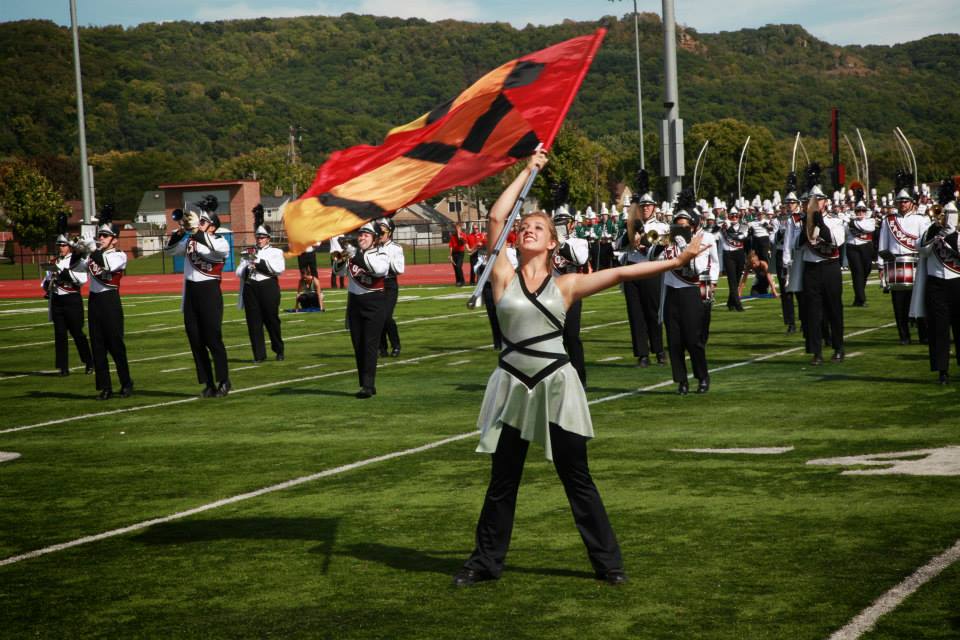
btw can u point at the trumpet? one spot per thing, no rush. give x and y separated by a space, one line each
652 238
937 215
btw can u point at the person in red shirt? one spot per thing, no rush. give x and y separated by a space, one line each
458 244
475 241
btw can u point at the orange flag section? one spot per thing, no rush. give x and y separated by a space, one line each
496 121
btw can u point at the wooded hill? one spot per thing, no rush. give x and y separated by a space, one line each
205 93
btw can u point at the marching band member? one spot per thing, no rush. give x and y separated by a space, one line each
732 237
336 262
860 231
367 306
643 236
106 266
535 395
62 284
822 278
391 289
759 231
259 274
683 300
899 234
205 252
570 257
787 232
941 293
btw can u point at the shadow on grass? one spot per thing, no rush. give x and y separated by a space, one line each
441 562
831 377
300 391
323 530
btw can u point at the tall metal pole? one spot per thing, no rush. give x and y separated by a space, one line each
84 171
671 128
636 37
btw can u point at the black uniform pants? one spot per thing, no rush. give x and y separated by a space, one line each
307 263
823 288
762 246
366 314
333 275
733 262
683 315
901 313
500 503
261 304
67 314
571 340
457 257
643 311
786 298
942 299
106 332
390 330
203 321
492 316
860 259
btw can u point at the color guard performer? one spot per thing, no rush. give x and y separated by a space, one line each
940 257
204 252
106 266
860 231
683 299
259 274
733 235
62 284
367 306
391 287
644 236
899 235
570 257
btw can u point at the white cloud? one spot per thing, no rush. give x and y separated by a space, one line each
432 10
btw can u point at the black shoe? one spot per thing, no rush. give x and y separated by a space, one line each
395 353
683 389
89 369
904 341
614 577
817 360
740 307
209 392
64 372
366 392
837 356
661 358
383 353
944 378
258 360
224 388
643 362
280 357
469 577
127 391
923 341
704 385
791 328
106 394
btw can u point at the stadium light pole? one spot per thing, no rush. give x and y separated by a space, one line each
636 38
81 126
671 127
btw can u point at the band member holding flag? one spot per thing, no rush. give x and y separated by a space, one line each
534 395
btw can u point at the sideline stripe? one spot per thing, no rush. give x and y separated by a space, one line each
322 474
892 599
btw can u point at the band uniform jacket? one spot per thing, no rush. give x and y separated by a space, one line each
267 263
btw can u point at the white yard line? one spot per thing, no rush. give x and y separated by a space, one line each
173 370
313 366
893 598
251 366
610 359
453 364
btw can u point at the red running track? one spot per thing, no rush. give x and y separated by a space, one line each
436 274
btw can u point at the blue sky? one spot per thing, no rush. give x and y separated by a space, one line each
843 22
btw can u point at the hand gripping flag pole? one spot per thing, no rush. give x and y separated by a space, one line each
518 205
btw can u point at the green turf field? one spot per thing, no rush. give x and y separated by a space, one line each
718 546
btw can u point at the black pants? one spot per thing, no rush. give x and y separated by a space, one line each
571 340
901 313
458 266
786 299
823 288
390 330
261 304
106 332
860 259
307 263
733 262
366 314
943 316
474 257
707 317
203 321
496 518
643 310
67 314
333 276
492 316
683 315
760 283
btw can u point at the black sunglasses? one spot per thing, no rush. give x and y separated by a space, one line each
104 235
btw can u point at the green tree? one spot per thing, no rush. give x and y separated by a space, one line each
271 167
121 178
30 203
582 163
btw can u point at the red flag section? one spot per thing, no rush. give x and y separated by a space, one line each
489 126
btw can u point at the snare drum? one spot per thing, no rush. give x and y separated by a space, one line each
898 272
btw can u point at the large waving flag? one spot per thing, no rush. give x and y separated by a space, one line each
498 120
